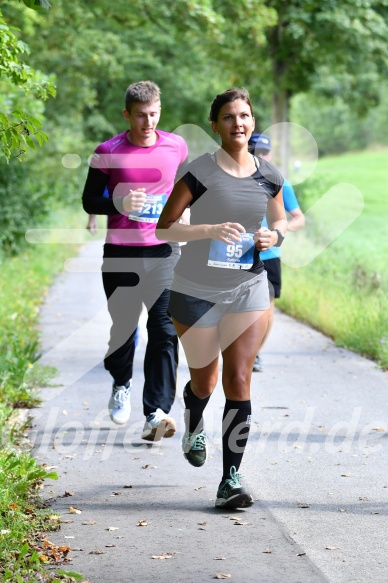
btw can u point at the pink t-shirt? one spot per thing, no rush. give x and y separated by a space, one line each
131 167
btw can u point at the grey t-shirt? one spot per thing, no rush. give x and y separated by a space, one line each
219 197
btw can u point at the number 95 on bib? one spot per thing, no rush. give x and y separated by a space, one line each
233 255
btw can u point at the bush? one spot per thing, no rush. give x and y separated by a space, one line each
23 202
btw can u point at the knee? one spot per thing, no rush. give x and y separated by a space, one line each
237 385
203 389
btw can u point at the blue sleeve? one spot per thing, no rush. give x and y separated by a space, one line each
289 197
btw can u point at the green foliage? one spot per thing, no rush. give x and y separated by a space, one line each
348 38
336 126
24 201
19 129
37 4
22 287
20 476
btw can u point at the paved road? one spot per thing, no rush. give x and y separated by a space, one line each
315 461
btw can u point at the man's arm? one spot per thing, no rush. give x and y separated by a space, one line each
291 205
93 200
297 220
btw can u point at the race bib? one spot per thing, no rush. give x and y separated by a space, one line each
151 210
232 255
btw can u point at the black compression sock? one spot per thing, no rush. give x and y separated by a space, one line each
235 430
196 407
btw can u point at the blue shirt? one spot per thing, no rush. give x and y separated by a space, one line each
290 204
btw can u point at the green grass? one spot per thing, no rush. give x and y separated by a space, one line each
23 286
343 291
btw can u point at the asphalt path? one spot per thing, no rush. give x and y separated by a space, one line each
316 460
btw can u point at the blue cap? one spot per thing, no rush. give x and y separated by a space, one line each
260 142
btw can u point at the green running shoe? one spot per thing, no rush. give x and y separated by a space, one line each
194 448
231 494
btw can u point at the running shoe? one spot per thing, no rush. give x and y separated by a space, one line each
194 448
231 494
158 425
120 403
258 364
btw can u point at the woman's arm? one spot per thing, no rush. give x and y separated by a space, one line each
169 227
276 218
276 214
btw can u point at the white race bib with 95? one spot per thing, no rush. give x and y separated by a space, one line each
233 255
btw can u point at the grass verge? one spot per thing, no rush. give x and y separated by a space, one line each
342 290
24 549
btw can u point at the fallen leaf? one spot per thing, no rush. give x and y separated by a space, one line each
108 546
332 548
74 510
234 518
163 556
268 551
43 558
97 552
222 576
112 528
128 486
116 493
303 505
201 523
202 528
142 523
345 475
300 554
219 559
145 467
67 494
199 488
66 521
378 428
87 522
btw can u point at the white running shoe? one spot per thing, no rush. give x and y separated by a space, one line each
158 425
120 403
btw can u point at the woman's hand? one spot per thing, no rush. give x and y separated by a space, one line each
135 200
265 239
226 232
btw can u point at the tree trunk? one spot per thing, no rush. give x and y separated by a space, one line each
280 134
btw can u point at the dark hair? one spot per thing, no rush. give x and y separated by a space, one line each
141 92
226 97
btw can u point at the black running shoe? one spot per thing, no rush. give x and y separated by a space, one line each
231 494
